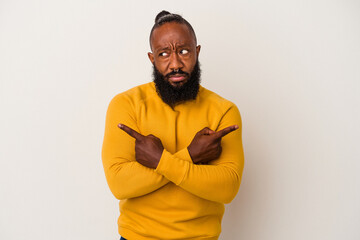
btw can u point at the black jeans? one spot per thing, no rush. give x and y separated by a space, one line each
122 238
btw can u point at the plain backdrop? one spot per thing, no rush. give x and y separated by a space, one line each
291 66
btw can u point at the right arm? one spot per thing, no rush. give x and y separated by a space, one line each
217 181
125 176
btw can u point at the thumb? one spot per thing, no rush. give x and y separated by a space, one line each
206 131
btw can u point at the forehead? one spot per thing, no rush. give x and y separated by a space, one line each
172 33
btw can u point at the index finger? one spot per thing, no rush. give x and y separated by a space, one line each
225 131
130 131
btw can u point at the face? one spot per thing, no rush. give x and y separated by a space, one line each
174 49
174 95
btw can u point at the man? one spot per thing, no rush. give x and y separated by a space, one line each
172 150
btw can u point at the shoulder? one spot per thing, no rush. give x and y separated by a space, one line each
221 109
215 100
135 95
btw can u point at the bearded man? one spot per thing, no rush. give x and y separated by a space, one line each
172 150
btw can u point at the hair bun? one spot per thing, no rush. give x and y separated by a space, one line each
161 14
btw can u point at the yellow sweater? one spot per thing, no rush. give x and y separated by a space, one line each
179 199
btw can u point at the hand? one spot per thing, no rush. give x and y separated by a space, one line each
206 145
148 149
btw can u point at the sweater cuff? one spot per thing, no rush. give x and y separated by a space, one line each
173 167
184 155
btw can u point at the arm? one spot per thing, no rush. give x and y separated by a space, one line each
126 177
219 180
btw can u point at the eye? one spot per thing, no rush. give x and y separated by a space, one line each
163 54
184 51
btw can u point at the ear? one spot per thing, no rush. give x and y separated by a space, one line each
151 57
198 50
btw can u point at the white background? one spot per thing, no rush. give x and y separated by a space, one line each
291 66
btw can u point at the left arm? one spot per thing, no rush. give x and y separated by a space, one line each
220 179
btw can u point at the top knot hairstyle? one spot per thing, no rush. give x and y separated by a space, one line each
167 17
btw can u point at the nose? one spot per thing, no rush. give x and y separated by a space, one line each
175 62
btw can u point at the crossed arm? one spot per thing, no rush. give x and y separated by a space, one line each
205 146
202 168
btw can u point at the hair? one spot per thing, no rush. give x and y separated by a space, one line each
167 17
172 95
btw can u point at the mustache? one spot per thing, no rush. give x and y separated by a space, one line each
172 95
178 72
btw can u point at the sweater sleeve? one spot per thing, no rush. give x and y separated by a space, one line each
126 177
217 181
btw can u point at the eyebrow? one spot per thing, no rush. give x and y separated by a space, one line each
168 48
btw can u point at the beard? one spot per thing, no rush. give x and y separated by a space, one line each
173 95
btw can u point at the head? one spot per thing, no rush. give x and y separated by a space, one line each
175 58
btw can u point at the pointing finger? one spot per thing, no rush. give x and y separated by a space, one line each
225 131
130 131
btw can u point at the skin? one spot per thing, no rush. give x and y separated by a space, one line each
148 149
174 48
205 146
